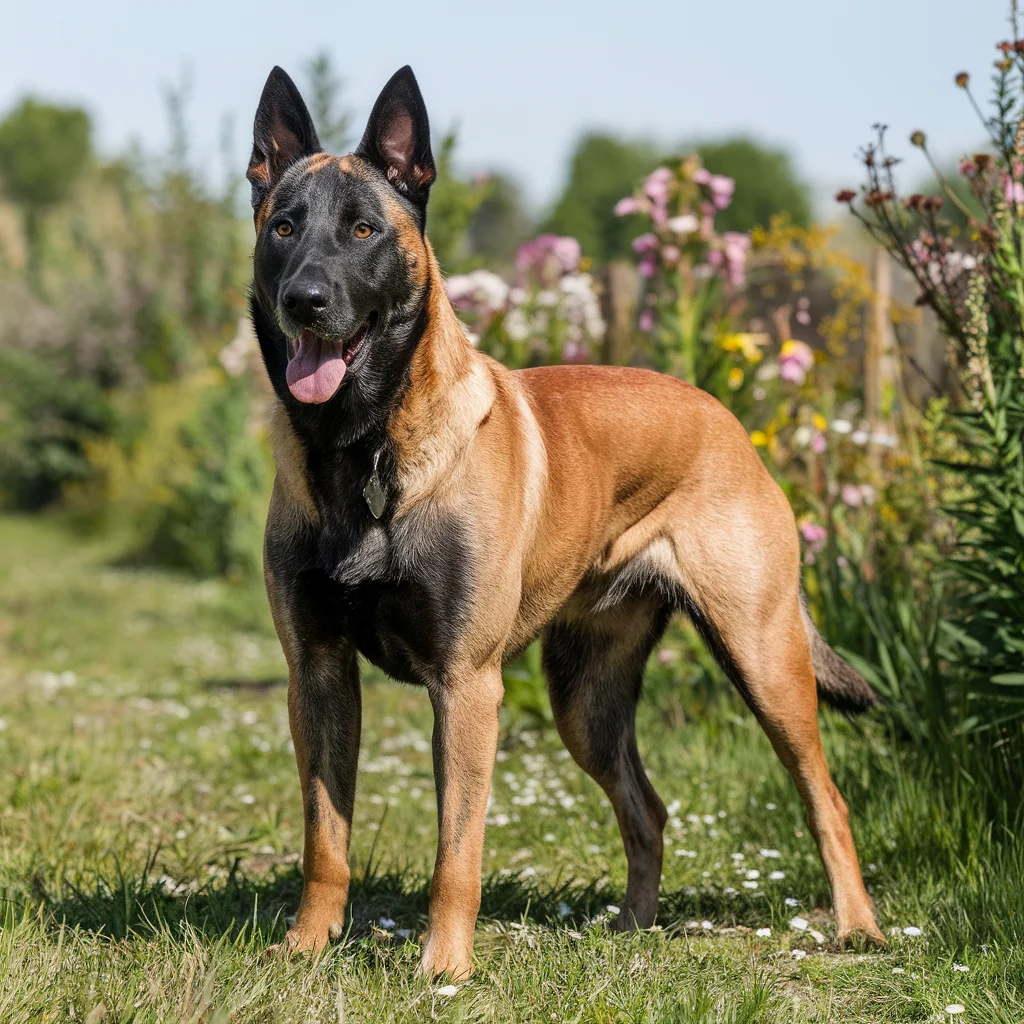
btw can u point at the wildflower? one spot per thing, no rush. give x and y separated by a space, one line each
670 253
753 873
912 931
612 909
846 195
763 933
842 426
759 439
624 207
646 321
481 292
647 265
777 876
746 343
814 534
791 901
961 968
797 954
962 79
722 189
850 495
386 923
918 139
448 990
818 445
771 854
657 185
954 1008
684 224
795 359
564 910
735 380
798 924
734 248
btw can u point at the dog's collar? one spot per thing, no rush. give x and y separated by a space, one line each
374 493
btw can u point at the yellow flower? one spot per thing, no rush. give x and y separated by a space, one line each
748 344
819 421
735 378
759 438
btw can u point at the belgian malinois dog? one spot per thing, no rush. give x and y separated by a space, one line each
436 512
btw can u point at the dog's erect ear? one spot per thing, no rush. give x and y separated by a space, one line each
282 133
397 138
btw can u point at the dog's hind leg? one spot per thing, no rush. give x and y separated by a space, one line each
594 666
750 615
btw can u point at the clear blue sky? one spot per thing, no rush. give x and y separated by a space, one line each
810 75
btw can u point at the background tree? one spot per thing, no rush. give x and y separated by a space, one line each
43 151
332 119
500 224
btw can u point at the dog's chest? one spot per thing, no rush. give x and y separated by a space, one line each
401 591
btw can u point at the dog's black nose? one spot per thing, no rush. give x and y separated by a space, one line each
305 300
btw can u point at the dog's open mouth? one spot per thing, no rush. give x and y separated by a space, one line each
317 365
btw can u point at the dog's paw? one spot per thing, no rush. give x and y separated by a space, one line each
867 937
451 959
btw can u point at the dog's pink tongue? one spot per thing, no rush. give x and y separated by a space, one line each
314 373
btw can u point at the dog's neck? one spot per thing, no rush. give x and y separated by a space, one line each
449 393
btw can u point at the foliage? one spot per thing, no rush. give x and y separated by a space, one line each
453 201
43 151
499 225
975 285
333 121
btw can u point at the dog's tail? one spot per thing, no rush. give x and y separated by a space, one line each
839 684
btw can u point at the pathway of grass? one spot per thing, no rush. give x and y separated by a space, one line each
150 827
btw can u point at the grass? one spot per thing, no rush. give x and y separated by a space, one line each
150 827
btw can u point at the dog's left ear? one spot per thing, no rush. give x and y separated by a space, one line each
397 138
282 133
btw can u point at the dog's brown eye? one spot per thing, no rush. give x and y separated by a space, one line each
284 229
363 231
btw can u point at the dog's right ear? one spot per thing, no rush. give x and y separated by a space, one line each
282 133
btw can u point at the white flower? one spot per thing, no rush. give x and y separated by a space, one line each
777 876
709 819
564 910
3 724
707 926
797 954
769 807
612 909
898 970
791 902
684 224
954 1008
763 933
771 853
799 924
750 885
386 923
753 873
686 853
842 426
912 930
673 808
859 437
404 933
960 967
448 990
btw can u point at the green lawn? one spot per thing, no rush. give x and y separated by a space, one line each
150 828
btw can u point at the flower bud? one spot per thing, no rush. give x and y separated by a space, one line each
918 139
962 79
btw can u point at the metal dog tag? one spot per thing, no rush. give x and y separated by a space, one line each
373 492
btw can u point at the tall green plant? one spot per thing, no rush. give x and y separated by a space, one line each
975 285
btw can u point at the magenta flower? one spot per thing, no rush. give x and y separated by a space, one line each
734 246
624 207
646 321
548 258
657 185
647 266
818 444
1014 191
702 176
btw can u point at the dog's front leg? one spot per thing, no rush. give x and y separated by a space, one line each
325 711
465 743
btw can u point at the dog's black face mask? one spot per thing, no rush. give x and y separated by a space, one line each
340 265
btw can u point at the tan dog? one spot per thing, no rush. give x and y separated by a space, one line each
437 512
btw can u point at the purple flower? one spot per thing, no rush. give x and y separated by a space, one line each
548 258
702 176
624 207
722 189
645 243
646 321
734 246
795 359
647 266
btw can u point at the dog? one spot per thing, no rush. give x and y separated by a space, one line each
437 512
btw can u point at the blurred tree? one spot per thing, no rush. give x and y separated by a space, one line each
500 224
603 170
43 151
453 201
333 122
766 184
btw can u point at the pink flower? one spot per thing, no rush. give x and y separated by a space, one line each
670 253
851 495
702 176
1014 191
735 246
548 258
645 243
573 352
968 168
647 265
624 207
657 185
814 535
722 189
795 359
567 251
646 321
789 370
818 444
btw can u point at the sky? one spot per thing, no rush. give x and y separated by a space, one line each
521 82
